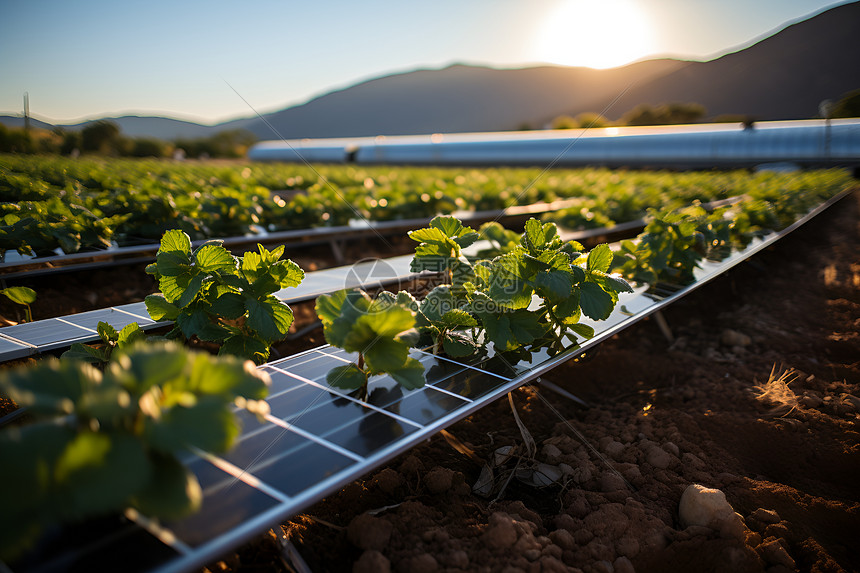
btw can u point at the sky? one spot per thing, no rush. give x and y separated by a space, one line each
210 61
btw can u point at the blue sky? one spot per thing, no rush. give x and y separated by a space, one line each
91 58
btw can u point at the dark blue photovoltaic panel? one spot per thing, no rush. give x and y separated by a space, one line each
319 437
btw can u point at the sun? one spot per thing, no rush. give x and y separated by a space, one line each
594 33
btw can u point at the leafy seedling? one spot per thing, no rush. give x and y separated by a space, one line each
99 442
216 297
24 296
380 330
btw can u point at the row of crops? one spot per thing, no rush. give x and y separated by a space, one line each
51 203
146 401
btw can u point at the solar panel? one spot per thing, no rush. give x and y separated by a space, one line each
39 336
318 438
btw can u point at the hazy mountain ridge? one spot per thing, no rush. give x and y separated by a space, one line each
784 76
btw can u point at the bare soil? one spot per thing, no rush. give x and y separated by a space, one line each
701 409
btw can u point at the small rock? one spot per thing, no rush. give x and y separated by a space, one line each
777 530
549 564
388 480
734 527
563 538
627 547
623 565
731 337
672 449
611 482
372 561
458 559
659 458
581 474
501 533
424 563
774 553
704 506
551 453
766 515
532 554
693 461
613 449
602 567
439 480
369 532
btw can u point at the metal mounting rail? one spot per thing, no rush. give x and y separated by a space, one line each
318 438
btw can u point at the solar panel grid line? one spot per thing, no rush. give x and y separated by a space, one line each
90 330
161 533
345 396
240 474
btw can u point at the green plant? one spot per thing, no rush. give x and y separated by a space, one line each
673 244
381 330
532 295
112 340
21 295
216 297
99 442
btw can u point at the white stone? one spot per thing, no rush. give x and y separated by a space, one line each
704 506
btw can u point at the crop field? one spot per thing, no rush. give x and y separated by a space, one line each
747 387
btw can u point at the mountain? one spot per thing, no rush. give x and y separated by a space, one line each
784 76
130 125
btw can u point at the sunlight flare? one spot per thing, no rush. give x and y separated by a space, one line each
596 34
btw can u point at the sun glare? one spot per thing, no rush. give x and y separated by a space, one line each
594 33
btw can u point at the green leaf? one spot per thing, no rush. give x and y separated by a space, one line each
130 334
172 491
175 241
50 387
228 376
583 330
553 285
410 375
98 472
85 353
192 289
159 309
287 273
458 345
212 258
208 425
328 306
153 364
449 225
192 321
107 332
245 347
458 319
20 294
230 305
600 258
347 377
270 318
596 303
438 302
384 354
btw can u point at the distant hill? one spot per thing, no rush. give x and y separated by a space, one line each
130 125
784 76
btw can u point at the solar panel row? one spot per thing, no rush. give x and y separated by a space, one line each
318 438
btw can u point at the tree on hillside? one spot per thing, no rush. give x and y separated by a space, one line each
101 137
665 114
